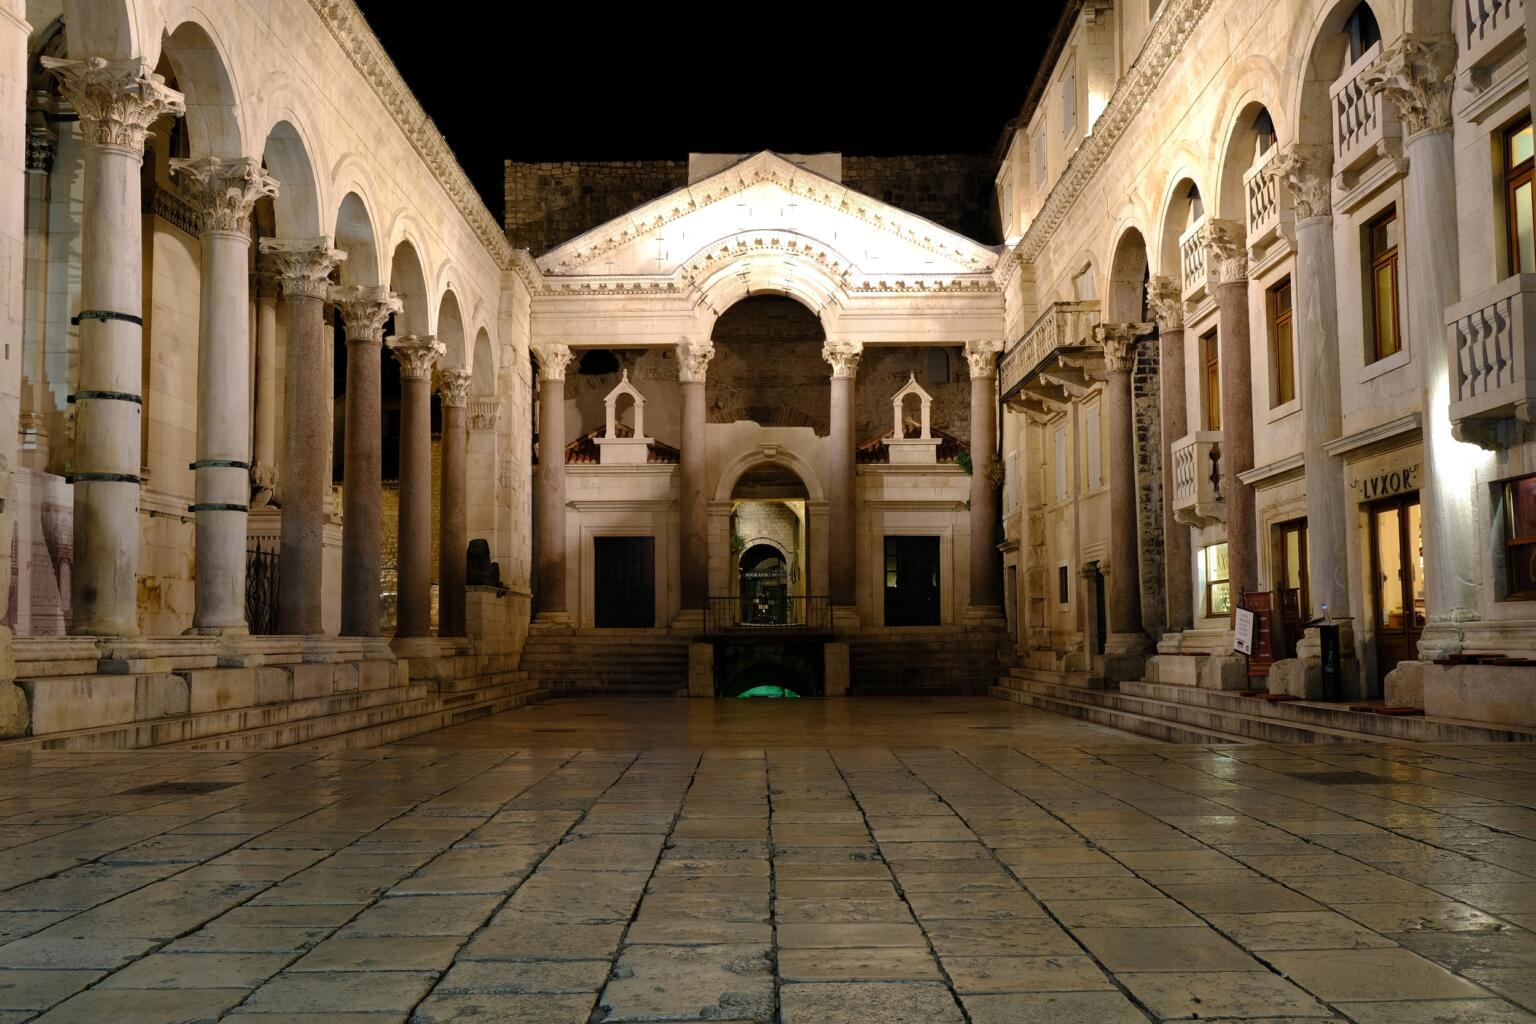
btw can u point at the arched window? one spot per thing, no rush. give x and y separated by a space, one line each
1362 30
598 361
1264 128
938 366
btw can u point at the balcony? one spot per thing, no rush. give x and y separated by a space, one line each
1486 32
1267 206
1197 479
1193 270
1063 325
1492 341
1363 122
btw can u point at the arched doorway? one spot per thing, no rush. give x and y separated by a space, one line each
763 579
769 545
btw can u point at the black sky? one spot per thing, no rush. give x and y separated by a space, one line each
810 80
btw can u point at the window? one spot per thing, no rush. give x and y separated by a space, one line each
1292 574
1264 128
1381 241
1520 221
1060 442
1040 159
1210 379
1063 585
1093 443
1362 30
1281 345
1069 99
1520 538
1214 580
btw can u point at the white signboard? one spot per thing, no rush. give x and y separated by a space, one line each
1242 632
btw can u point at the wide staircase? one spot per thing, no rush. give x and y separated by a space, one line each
1188 714
902 663
620 663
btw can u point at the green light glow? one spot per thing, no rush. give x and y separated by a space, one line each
770 691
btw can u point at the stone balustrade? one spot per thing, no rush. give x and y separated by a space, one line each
1061 325
1487 31
1197 479
1266 206
1194 269
1491 339
1362 121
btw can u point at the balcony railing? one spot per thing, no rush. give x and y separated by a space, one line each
767 616
1362 119
1062 325
1492 340
1487 30
1267 205
1192 262
1197 479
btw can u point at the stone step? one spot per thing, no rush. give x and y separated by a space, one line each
1100 714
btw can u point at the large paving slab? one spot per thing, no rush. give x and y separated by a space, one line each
665 861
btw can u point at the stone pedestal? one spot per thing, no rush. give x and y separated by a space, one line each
418 355
452 534
1302 676
835 673
549 489
693 508
117 102
701 670
842 471
1165 297
1224 672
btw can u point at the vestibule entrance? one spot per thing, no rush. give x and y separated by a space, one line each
624 582
768 548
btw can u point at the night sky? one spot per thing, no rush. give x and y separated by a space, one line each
804 84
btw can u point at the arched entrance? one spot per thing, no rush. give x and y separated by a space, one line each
768 536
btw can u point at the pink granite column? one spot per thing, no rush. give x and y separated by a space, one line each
842 471
986 584
549 486
452 527
418 355
1119 344
1165 298
692 366
1227 257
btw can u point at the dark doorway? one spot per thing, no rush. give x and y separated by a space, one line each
624 587
764 586
1397 581
1291 590
911 581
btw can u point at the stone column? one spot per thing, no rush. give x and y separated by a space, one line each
1415 74
843 471
304 266
418 355
223 192
117 102
1308 173
452 527
986 586
1227 257
692 366
41 145
1126 645
364 309
1165 297
264 436
549 487
14 712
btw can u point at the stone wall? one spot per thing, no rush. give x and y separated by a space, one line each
952 190
776 521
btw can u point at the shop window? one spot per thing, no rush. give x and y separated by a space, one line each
1214 581
1382 236
1520 538
1282 352
1519 213
1210 379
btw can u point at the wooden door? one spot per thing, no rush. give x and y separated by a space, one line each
911 581
624 584
1295 600
1397 581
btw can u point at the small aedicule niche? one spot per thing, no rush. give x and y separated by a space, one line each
923 449
633 448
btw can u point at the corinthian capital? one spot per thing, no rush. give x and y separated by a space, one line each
417 355
1307 172
982 357
364 309
1119 344
843 356
553 359
223 192
303 265
117 100
1416 74
1166 298
693 360
453 388
1226 255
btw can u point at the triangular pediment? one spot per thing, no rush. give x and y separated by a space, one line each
766 202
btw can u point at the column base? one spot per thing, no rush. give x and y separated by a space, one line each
553 619
987 618
689 622
845 618
1125 657
1441 640
701 670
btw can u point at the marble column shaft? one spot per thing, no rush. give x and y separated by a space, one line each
986 510
304 266
549 483
118 102
693 364
1228 256
418 355
264 454
843 476
1165 298
1119 344
223 192
452 527
365 310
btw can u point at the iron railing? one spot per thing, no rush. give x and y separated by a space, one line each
261 576
762 615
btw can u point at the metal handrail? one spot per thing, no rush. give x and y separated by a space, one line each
747 614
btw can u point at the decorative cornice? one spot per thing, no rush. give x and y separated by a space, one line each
117 100
169 206
982 357
223 192
364 309
1307 172
1119 344
553 359
693 360
1166 299
417 355
1176 19
303 264
453 388
843 356
352 34
1417 74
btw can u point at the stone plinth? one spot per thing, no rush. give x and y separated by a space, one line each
623 451
913 451
701 670
835 670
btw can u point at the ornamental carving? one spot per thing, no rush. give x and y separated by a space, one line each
1307 172
417 354
1416 74
1226 254
693 360
1119 344
222 193
365 309
41 146
484 413
117 100
453 388
304 265
982 357
1166 299
843 356
553 359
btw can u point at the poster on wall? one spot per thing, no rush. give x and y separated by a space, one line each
1242 631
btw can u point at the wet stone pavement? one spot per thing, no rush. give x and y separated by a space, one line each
1081 877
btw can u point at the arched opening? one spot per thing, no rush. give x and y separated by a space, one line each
202 76
1127 300
769 546
1185 211
773 671
761 331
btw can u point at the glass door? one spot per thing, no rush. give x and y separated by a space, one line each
1397 581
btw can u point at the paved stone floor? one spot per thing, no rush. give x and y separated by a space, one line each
861 861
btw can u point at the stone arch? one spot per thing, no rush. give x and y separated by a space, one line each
1242 140
1324 57
1125 298
94 28
1176 209
450 331
755 458
297 203
407 281
203 76
740 266
354 236
483 366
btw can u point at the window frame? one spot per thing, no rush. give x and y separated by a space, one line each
1511 541
1523 173
1282 358
1209 583
1210 379
1387 259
